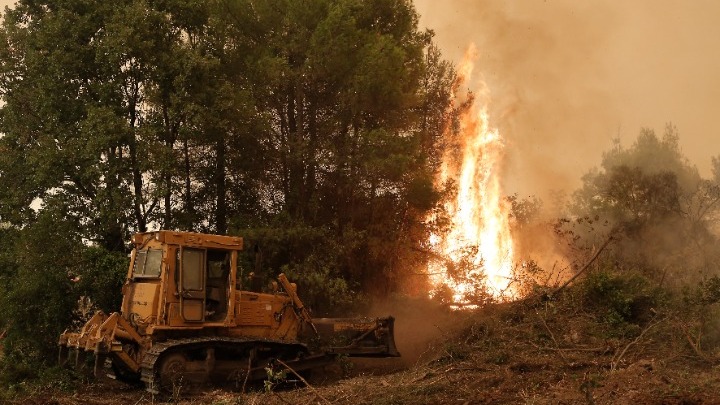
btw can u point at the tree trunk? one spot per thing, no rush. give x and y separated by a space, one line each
220 185
140 216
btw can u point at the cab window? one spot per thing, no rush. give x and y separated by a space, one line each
148 263
192 269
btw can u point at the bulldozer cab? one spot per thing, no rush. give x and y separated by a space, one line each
181 279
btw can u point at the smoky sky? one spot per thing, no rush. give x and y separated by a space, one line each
567 77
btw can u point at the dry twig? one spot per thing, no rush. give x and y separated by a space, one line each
572 349
618 357
281 398
587 266
695 346
552 336
247 374
307 384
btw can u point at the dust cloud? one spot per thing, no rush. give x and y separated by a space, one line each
420 325
567 77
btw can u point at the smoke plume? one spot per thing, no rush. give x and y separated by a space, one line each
568 77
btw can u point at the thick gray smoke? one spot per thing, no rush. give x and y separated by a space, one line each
567 77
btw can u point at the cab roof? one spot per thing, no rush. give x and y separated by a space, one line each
190 239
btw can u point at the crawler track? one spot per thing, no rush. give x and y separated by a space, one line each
219 360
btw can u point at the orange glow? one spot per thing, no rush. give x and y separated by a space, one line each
477 249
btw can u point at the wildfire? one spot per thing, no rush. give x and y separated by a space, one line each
478 248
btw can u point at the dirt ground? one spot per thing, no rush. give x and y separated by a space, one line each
505 354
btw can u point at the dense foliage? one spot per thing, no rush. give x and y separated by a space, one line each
309 127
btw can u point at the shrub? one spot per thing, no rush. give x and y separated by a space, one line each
621 297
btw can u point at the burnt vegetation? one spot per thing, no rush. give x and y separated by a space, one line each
314 130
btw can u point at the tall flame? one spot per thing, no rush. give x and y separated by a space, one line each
478 248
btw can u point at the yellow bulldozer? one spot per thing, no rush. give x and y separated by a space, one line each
189 315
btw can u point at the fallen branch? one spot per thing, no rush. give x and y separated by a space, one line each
552 336
696 347
247 374
587 266
422 377
307 384
572 349
618 357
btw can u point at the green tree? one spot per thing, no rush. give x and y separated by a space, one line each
657 204
355 95
46 268
84 86
640 184
99 98
65 129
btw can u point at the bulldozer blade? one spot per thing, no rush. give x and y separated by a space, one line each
360 337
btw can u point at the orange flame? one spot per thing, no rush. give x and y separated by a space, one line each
478 247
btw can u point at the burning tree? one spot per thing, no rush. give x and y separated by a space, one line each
477 246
